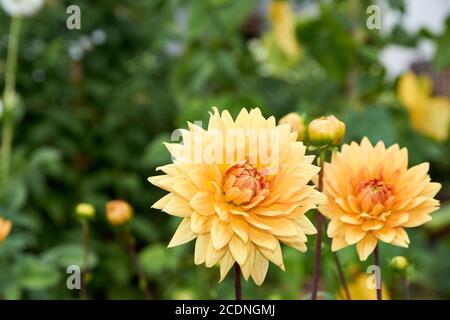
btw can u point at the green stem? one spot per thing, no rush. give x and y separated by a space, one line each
83 291
131 244
5 151
316 274
8 99
13 49
341 275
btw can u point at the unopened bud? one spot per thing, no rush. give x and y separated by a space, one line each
85 210
398 264
326 131
118 212
296 122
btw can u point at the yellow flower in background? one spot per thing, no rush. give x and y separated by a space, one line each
361 287
429 115
239 207
372 196
118 212
283 29
296 122
5 228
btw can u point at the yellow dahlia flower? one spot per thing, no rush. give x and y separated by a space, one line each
236 202
282 20
429 114
372 195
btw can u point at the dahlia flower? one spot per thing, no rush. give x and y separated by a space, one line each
429 115
240 201
372 196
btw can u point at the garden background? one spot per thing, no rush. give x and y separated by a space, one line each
97 103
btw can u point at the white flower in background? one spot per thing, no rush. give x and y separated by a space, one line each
21 7
398 59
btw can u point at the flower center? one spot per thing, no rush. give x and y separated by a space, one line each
375 191
245 185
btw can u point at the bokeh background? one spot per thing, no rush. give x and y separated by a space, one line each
97 103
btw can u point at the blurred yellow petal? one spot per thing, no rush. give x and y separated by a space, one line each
360 290
283 27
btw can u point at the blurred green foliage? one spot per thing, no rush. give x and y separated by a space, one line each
98 103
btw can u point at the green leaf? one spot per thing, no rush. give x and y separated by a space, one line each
156 259
156 153
34 274
441 219
15 195
68 254
376 123
442 57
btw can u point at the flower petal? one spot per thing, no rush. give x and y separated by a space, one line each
366 246
260 267
183 234
221 233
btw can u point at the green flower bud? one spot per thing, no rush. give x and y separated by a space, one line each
326 131
85 210
398 264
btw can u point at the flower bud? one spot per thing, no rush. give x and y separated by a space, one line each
326 131
398 264
296 122
5 228
85 210
118 212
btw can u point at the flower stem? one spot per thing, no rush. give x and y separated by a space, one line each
8 99
394 287
131 244
376 255
237 281
341 275
83 291
405 287
5 149
316 273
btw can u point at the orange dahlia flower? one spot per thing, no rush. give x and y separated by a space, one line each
372 195
240 201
